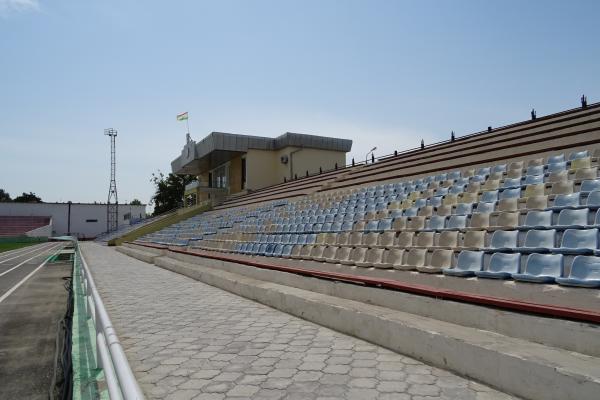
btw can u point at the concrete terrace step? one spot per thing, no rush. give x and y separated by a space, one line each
521 367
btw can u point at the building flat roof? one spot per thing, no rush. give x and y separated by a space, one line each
219 147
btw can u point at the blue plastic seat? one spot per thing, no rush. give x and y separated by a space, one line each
483 171
326 227
566 201
463 209
311 238
538 219
573 218
585 272
436 222
478 178
538 241
578 154
557 167
372 225
435 201
510 193
590 185
456 189
501 266
457 222
541 268
384 224
454 175
534 179
556 159
467 264
593 200
489 196
499 168
485 208
578 241
535 170
395 213
511 183
336 227
504 240
411 212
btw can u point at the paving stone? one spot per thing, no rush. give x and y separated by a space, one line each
188 340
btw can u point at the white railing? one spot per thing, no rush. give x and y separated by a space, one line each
111 358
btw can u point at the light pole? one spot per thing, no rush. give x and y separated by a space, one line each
367 156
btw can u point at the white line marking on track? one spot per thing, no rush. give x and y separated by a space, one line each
22 281
17 251
29 259
8 259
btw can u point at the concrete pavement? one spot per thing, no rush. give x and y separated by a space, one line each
188 340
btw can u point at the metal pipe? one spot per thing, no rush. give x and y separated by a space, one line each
129 385
114 392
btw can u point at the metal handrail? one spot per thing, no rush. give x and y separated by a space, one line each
111 357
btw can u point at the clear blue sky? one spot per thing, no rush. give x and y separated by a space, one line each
382 73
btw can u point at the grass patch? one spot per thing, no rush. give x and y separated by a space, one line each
12 246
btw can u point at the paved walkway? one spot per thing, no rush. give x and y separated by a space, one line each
188 340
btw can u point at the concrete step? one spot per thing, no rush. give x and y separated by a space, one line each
514 365
143 255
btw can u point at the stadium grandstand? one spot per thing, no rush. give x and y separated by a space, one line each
479 254
24 226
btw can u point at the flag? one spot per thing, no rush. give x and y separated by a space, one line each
182 116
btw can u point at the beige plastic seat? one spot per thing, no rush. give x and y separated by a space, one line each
414 195
373 256
581 163
331 238
391 258
415 223
535 162
405 239
305 252
558 176
508 204
369 215
473 240
515 165
507 220
537 203
328 253
495 176
316 253
399 223
359 226
514 173
382 214
479 221
440 259
342 238
468 173
433 185
449 199
342 254
386 239
370 239
565 187
414 258
358 255
406 203
394 205
474 187
427 193
444 210
424 239
321 238
534 190
447 239
426 211
355 239
295 251
466 197
491 184
586 173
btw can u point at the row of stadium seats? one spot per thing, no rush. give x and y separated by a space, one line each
539 211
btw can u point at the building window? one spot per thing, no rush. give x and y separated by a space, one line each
91 220
127 216
220 176
243 173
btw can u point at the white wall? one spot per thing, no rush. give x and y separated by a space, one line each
80 213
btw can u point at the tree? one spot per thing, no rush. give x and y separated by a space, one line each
4 196
169 191
28 198
135 202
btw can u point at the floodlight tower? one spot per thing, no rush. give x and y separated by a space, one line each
112 204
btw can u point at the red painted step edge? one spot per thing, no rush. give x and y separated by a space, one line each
509 304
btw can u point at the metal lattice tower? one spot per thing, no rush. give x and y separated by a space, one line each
112 204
